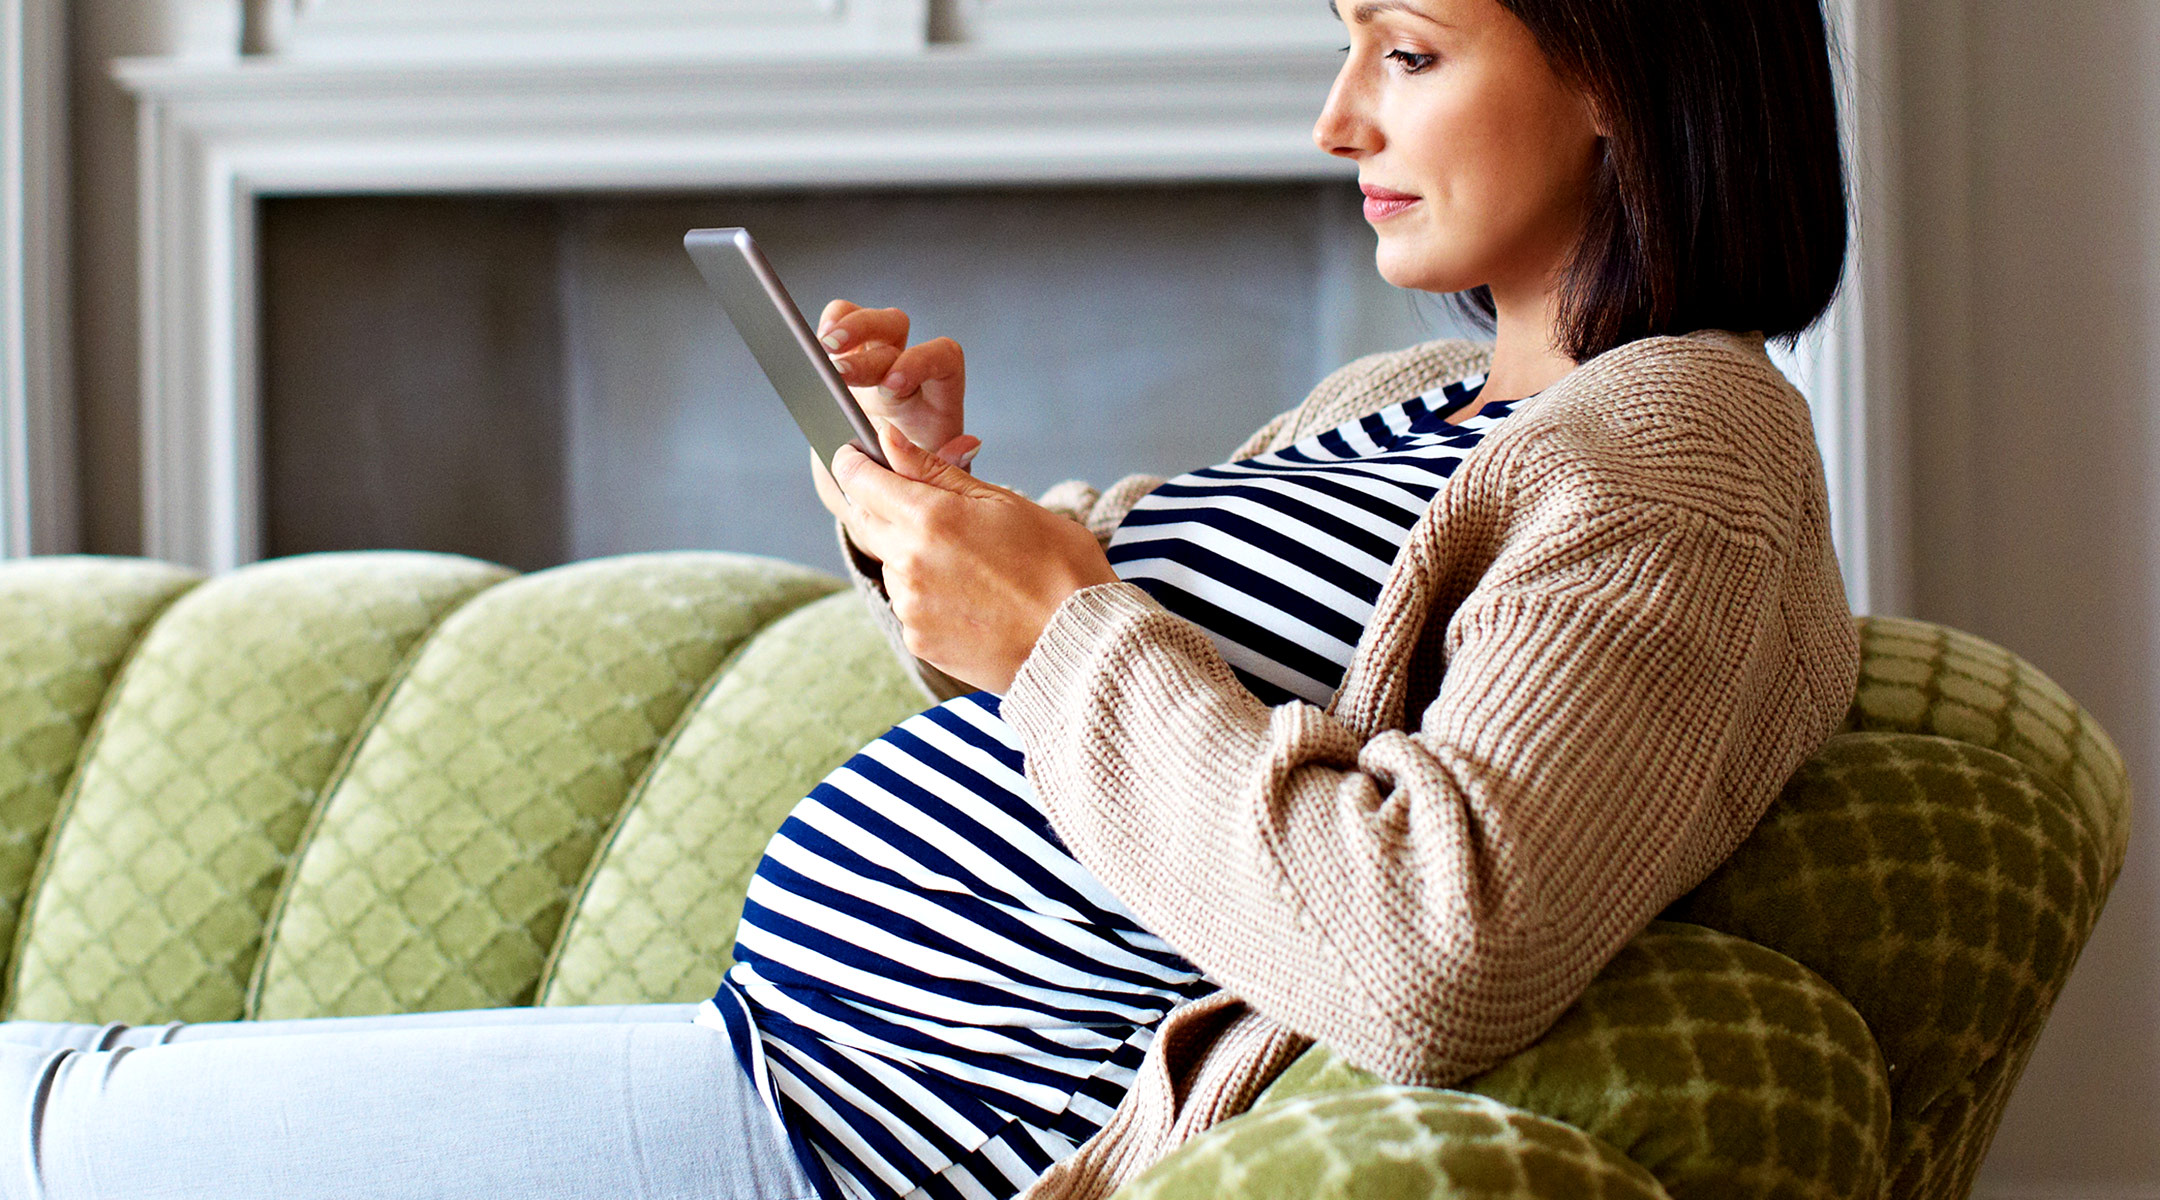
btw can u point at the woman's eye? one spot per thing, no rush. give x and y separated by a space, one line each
1412 62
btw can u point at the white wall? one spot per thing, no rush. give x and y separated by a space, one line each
2034 284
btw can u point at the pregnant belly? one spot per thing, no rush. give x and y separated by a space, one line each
918 905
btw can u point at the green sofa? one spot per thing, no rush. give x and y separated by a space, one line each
398 782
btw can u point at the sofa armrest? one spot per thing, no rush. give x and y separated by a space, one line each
1394 1143
1719 1065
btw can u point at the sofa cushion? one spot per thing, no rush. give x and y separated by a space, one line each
1921 678
440 868
213 749
66 625
655 921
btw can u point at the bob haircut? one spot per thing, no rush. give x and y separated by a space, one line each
1721 201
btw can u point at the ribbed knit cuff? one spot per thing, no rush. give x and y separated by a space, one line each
1052 686
863 571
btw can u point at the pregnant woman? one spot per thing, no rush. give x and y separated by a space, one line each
1388 732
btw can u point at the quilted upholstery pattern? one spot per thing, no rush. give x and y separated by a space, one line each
1394 1143
1945 890
656 919
213 750
66 624
439 871
1922 678
1726 1069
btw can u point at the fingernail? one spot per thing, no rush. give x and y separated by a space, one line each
836 339
895 383
967 460
886 393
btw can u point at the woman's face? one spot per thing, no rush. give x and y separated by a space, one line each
1475 157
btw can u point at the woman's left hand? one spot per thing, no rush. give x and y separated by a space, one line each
974 572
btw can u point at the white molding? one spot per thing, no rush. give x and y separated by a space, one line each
1850 365
1883 444
408 31
37 444
1096 24
218 136
413 30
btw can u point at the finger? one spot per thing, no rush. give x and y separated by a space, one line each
867 365
832 314
836 503
863 326
924 468
937 363
882 494
885 505
961 451
908 459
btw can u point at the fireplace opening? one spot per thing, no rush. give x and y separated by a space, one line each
536 380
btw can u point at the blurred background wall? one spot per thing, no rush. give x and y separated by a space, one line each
2032 232
2029 236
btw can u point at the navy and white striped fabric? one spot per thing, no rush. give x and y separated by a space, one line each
934 997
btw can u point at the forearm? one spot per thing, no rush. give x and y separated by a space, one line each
1426 902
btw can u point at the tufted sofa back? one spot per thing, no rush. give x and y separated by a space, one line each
397 782
372 783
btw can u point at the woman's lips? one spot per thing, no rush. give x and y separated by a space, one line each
1380 203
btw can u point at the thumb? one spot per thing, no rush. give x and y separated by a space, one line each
913 462
961 451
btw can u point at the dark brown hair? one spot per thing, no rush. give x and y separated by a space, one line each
1721 201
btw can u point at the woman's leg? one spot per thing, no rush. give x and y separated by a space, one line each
630 1103
55 1035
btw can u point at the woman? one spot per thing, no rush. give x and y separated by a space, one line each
1389 732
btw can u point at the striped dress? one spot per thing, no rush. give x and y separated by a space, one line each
934 998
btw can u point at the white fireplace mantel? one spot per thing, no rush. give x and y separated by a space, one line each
1024 100
218 136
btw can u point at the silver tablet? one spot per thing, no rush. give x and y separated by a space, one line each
784 344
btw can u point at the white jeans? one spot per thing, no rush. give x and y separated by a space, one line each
618 1103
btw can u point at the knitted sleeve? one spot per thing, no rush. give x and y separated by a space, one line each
1365 385
1620 704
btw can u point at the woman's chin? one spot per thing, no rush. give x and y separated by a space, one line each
1413 273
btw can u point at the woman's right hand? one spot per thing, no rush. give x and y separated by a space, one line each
919 390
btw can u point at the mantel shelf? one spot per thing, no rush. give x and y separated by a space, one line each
939 115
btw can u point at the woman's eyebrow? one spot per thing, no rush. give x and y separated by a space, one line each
1366 11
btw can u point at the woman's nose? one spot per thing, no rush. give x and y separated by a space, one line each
1343 129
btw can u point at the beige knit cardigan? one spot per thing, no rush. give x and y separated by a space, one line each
1602 651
